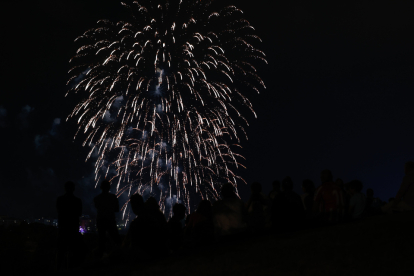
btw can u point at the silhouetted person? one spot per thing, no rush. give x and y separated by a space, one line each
372 204
357 200
229 213
345 195
175 227
369 198
153 209
287 210
69 210
328 202
256 208
308 189
146 235
136 226
199 227
275 190
106 205
404 200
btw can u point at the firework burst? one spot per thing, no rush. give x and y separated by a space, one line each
163 96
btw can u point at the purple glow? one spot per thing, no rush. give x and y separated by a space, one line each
82 230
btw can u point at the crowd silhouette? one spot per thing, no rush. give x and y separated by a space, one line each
150 236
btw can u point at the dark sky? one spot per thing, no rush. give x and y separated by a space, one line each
339 95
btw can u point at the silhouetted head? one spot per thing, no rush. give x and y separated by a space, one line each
326 176
308 186
105 186
137 204
287 184
409 167
256 187
69 187
276 185
179 211
204 208
370 193
355 186
227 190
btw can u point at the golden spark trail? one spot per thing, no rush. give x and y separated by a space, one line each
161 97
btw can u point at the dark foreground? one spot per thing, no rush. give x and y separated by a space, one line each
380 245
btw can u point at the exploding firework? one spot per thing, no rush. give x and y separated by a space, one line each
163 97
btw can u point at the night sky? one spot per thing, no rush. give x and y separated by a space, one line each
339 95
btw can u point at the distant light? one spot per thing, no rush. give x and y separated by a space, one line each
82 230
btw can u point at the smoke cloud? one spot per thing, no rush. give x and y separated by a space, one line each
55 125
43 141
22 117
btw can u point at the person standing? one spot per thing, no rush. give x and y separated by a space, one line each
175 228
308 188
107 205
69 210
146 239
275 191
288 213
404 200
357 202
257 209
229 213
328 200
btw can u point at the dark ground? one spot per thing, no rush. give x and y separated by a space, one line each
380 245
